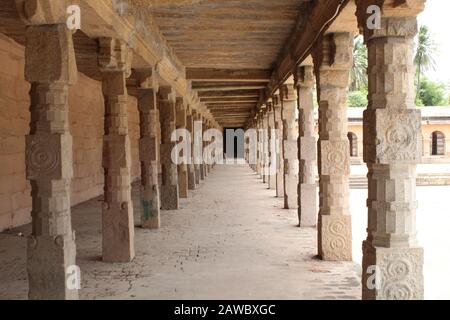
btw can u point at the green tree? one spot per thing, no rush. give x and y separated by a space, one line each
425 53
358 73
432 93
357 99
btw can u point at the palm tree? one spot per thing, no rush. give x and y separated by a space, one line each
426 50
358 74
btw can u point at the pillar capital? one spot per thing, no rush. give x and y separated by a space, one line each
334 52
43 12
167 94
114 56
146 78
395 16
53 62
276 102
288 92
304 76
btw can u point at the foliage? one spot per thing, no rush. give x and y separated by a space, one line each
425 53
432 93
358 73
357 99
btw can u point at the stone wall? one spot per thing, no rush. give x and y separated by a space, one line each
86 126
15 199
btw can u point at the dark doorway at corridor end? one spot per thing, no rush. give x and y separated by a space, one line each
233 142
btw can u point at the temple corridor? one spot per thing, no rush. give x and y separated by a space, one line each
106 106
230 240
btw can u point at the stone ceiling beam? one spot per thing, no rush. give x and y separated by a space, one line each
241 75
100 19
312 23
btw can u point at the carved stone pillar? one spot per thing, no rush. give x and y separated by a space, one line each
259 154
182 168
203 144
208 156
332 62
149 152
50 69
307 189
265 146
169 187
392 148
117 216
191 166
197 149
288 95
272 180
279 145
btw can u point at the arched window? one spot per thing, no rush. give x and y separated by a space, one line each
437 144
353 139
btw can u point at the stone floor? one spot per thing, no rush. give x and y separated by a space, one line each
230 240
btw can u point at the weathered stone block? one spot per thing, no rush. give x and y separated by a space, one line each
307 206
335 157
49 156
118 231
48 259
169 197
392 135
116 151
49 54
392 273
148 149
335 237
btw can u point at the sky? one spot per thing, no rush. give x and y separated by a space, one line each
436 17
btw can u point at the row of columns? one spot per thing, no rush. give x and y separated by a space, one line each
51 69
392 259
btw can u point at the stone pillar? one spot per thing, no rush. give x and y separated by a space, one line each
169 187
50 69
204 172
332 61
206 127
392 149
149 152
279 145
265 146
272 180
182 168
288 95
200 174
259 153
117 213
191 166
307 189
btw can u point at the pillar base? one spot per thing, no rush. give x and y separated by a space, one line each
191 177
290 192
118 232
169 197
48 260
150 217
202 172
197 174
183 183
398 273
335 237
307 210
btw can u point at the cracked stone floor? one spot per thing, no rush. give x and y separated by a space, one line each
229 240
